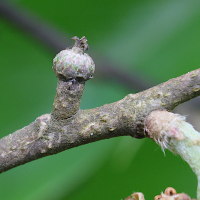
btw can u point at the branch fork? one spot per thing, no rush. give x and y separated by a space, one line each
137 115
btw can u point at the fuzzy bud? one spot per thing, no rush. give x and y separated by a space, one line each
172 132
161 126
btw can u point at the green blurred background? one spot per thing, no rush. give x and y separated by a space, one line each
151 40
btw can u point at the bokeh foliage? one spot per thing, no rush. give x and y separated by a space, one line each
159 39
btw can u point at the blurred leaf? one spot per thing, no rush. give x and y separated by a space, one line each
160 39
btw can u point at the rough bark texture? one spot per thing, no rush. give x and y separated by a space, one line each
68 98
58 131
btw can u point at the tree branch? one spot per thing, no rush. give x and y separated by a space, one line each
67 126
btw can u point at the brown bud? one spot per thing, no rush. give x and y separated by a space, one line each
138 196
170 191
128 198
157 197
